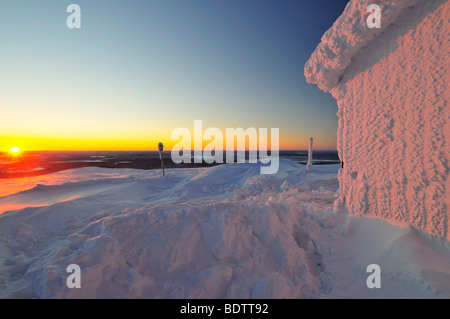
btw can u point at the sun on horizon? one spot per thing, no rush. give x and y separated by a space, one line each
14 149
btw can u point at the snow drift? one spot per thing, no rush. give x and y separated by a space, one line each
394 121
220 232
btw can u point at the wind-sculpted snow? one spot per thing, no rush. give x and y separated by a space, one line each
220 232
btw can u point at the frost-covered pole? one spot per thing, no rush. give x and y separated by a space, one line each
310 153
161 147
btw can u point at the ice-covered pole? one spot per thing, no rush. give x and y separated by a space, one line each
310 153
160 148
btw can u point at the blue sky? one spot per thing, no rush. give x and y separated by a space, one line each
136 70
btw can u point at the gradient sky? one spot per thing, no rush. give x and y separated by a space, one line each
137 70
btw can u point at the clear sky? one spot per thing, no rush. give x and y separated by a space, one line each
138 69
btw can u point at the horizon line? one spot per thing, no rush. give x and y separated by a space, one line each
168 150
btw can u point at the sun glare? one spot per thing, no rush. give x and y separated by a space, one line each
15 149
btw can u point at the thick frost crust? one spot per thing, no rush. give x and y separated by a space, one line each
345 38
393 110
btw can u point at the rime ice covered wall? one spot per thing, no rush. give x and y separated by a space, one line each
394 121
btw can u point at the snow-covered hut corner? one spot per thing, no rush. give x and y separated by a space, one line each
394 122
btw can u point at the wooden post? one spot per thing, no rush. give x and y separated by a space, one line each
310 153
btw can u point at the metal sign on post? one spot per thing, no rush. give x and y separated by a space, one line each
160 148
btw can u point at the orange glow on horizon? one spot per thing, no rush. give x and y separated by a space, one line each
51 144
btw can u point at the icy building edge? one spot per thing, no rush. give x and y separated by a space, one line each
390 84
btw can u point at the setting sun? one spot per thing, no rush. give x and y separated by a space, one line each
15 149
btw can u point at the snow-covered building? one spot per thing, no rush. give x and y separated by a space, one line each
390 84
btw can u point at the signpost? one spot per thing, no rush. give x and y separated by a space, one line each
160 148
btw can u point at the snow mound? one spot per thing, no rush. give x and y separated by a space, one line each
220 232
